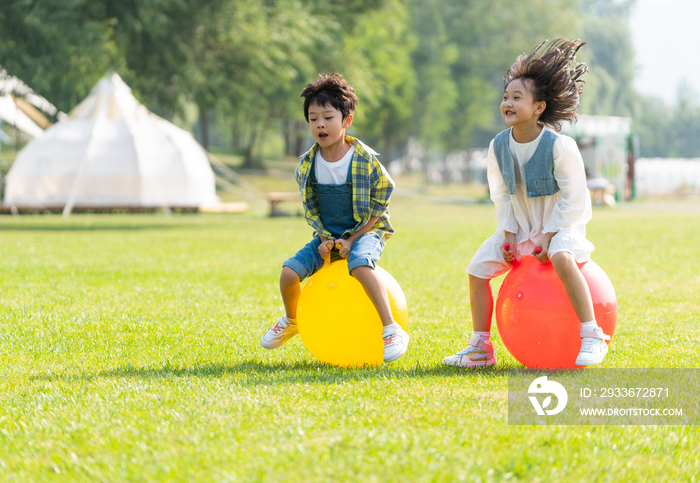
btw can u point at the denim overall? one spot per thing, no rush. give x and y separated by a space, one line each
336 206
335 202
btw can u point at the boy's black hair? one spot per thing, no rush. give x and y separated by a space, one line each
330 89
552 77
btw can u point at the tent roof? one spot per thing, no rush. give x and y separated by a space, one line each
111 98
12 85
12 114
32 112
588 125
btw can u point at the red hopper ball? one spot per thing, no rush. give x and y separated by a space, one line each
538 250
536 321
507 246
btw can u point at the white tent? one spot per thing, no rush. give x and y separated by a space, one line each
12 85
12 114
22 111
111 152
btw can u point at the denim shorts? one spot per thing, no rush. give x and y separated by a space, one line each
365 252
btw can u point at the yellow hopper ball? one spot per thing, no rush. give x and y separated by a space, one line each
338 322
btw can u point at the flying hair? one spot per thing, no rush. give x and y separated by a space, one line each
330 89
551 73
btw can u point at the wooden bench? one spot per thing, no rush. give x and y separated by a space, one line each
277 197
602 191
231 207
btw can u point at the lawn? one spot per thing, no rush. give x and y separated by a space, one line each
129 352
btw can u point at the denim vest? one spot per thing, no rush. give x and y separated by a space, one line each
539 169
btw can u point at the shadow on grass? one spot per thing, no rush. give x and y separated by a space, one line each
260 373
91 227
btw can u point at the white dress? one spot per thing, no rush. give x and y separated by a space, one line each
564 213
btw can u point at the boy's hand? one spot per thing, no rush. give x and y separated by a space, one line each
508 248
542 247
324 249
344 247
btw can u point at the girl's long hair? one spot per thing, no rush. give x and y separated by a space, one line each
553 77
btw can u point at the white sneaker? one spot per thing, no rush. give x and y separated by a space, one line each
395 342
478 353
278 334
593 347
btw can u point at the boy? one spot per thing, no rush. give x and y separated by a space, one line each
345 192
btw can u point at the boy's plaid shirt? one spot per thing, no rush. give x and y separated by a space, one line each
371 191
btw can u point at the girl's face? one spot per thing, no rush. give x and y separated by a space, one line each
518 107
327 125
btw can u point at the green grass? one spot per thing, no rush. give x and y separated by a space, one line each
129 352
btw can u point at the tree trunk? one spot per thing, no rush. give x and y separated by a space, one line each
252 160
236 136
204 128
299 135
288 127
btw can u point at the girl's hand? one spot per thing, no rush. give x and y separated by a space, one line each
344 247
327 244
542 247
508 248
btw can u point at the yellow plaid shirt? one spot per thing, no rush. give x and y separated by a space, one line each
371 191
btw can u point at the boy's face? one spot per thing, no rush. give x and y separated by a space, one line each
518 107
327 125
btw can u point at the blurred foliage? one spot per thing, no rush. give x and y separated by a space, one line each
663 130
669 131
610 55
60 48
464 49
428 69
377 62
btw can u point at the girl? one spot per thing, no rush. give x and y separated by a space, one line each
538 184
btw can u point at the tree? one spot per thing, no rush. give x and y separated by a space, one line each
63 47
253 60
159 40
610 56
685 123
377 59
464 49
429 69
60 48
